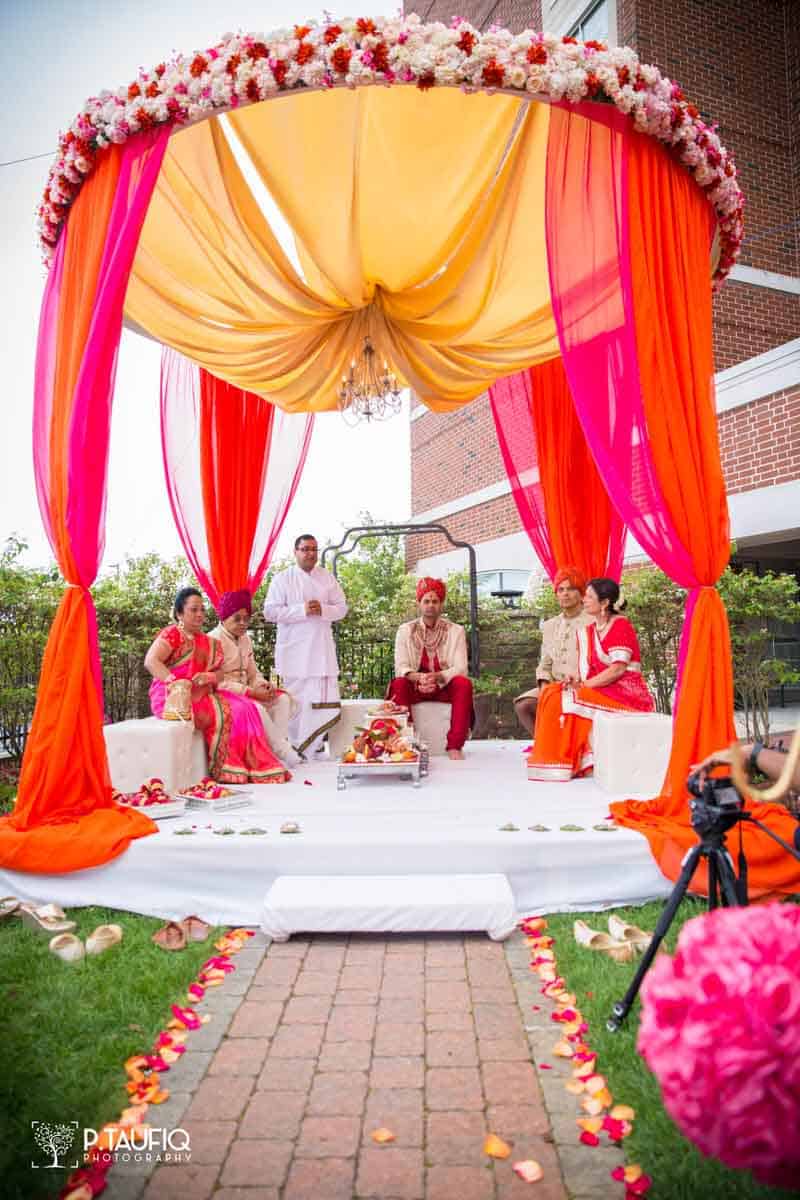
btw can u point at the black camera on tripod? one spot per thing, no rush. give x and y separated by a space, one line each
715 804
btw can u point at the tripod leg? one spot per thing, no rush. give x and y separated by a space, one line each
623 1006
727 879
713 881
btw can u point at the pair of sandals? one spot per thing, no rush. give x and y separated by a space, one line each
44 918
622 942
70 948
176 935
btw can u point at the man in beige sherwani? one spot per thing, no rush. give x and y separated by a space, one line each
559 654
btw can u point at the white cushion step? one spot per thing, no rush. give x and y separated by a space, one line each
389 904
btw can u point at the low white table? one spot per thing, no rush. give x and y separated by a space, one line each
389 904
631 751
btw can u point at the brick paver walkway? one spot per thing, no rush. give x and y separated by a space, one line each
316 1043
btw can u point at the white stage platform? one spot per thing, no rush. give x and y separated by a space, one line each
449 825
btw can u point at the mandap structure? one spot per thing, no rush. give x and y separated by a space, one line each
538 216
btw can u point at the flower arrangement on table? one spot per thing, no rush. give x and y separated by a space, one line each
150 793
244 69
207 789
381 742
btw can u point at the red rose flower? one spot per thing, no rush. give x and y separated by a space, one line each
257 50
251 91
365 26
569 41
493 74
593 45
331 34
537 53
467 41
160 69
693 112
234 62
592 84
301 31
279 72
426 81
623 75
146 121
133 91
198 65
380 57
152 90
305 51
340 59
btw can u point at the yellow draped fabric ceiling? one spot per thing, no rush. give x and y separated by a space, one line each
418 219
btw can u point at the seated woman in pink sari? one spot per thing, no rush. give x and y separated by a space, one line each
238 751
609 677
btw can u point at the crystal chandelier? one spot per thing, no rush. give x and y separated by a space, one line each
368 394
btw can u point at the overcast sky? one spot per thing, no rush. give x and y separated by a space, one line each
53 55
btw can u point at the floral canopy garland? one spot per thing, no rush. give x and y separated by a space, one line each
245 69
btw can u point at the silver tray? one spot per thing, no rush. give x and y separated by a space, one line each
367 770
161 812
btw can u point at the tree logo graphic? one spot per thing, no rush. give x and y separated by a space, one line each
54 1140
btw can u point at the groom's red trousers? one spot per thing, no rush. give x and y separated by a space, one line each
458 693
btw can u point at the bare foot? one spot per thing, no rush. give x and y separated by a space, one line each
455 753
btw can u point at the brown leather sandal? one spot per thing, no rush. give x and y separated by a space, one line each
195 928
170 936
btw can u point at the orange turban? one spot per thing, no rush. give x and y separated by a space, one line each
570 575
427 584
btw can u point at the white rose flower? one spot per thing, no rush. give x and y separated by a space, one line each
516 77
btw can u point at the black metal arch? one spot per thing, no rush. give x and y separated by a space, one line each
365 531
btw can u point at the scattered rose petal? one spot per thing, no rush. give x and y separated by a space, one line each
545 1067
562 1049
589 1139
528 1170
590 1124
622 1112
495 1147
591 1106
382 1135
308 783
574 1086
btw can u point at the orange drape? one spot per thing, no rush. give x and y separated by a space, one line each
669 243
231 497
579 512
64 818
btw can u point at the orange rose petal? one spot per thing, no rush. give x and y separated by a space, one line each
495 1147
622 1112
566 1000
574 1086
595 1083
529 1170
633 1172
604 1097
590 1124
82 1192
563 1049
382 1135
131 1116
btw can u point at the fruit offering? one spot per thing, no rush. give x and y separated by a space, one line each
151 792
381 742
207 789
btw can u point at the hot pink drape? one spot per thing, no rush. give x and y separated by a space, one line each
232 463
64 818
562 503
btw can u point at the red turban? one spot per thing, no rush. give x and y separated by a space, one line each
427 584
231 602
570 575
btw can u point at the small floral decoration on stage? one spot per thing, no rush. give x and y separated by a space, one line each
600 1114
143 1074
244 69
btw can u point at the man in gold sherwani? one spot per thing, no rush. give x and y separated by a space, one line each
559 654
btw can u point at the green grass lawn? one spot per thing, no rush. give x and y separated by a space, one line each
679 1171
67 1028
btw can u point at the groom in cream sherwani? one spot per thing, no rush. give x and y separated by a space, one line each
304 601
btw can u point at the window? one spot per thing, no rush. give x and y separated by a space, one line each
594 24
502 581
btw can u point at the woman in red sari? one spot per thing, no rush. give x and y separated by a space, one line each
609 677
238 751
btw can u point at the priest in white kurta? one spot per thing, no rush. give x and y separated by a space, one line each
304 601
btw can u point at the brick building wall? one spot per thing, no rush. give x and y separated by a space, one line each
741 65
760 442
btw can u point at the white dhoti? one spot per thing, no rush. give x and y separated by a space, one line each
275 720
318 710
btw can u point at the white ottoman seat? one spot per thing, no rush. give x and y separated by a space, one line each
631 751
140 750
354 714
431 724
